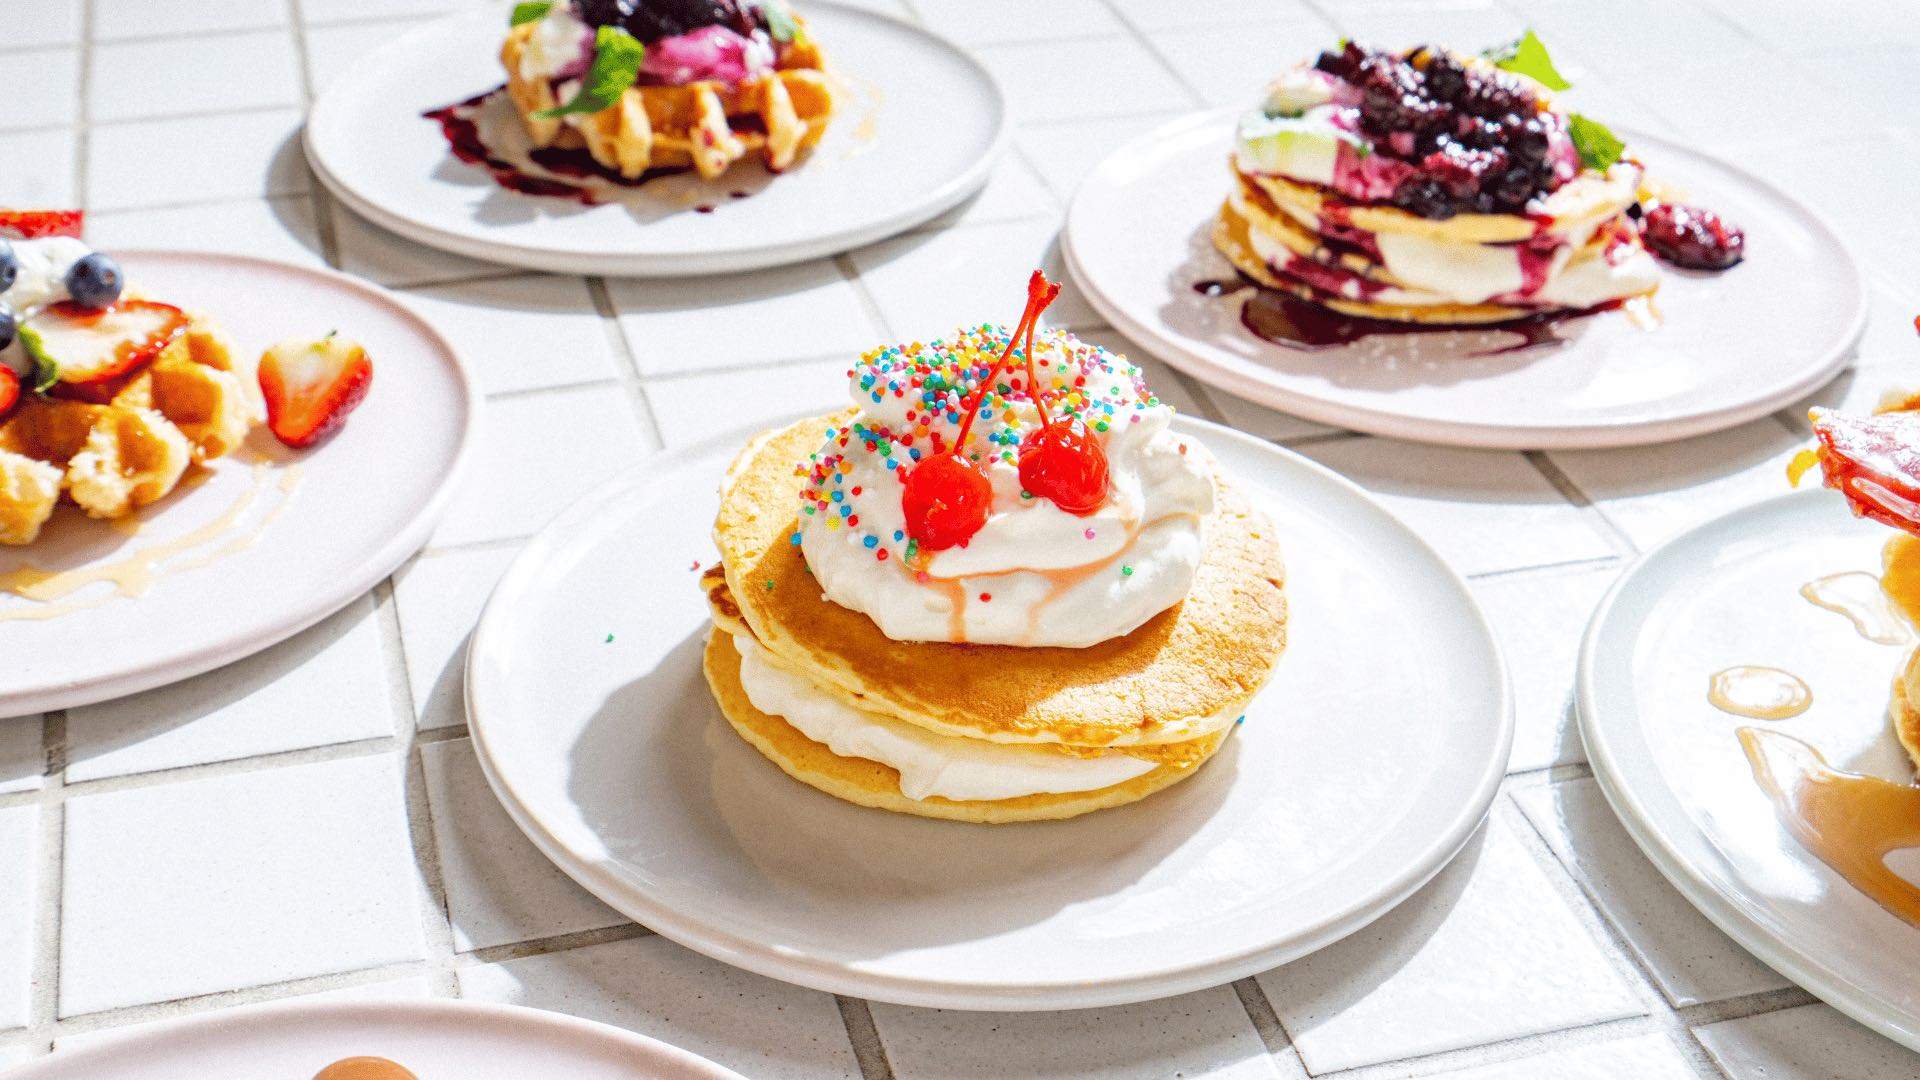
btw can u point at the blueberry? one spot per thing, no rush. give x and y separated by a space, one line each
9 267
7 328
94 281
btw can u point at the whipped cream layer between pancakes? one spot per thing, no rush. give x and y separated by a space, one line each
1560 267
1034 575
930 765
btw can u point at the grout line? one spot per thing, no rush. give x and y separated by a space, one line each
51 875
1589 509
173 1008
559 943
1594 562
631 380
869 1050
322 200
1266 1024
868 302
1150 42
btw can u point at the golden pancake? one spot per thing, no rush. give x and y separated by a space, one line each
1902 711
1188 671
869 783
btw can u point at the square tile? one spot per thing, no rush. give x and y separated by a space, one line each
36 167
1063 154
1232 63
1648 1057
323 686
1539 618
985 22
53 22
1203 1034
1081 80
927 285
439 597
1399 988
1813 1040
138 18
759 1027
1013 192
699 324
1791 26
196 159
14 1055
372 252
521 333
1254 419
43 88
270 228
500 889
220 73
241 880
333 50
1691 960
1483 510
683 406
1653 492
22 759
536 455
410 989
1152 15
20 869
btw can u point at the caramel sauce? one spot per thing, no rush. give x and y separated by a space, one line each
1643 312
1762 693
133 574
1798 465
365 1068
1848 821
1858 596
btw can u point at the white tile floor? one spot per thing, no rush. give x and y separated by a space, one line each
312 821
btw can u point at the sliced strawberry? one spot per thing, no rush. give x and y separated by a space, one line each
1875 462
33 224
311 386
87 347
9 389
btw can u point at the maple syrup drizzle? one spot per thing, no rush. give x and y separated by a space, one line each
365 1068
1858 597
1848 821
54 591
1761 693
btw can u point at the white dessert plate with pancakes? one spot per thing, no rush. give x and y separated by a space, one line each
1726 347
296 1040
1358 772
918 126
266 541
1724 595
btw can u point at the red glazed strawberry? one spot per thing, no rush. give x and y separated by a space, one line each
33 224
9 390
311 386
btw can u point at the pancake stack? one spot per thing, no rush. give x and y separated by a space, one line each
1144 710
1434 206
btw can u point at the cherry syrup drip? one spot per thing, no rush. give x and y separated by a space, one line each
946 497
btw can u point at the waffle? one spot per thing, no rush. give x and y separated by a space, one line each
111 457
706 126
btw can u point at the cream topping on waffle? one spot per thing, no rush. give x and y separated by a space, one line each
1034 574
929 764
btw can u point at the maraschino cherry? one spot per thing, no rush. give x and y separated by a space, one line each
946 497
1062 462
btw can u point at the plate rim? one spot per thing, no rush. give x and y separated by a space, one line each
1629 805
950 193
66 1064
375 567
1602 435
730 947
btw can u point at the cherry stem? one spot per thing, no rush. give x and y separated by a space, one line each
1035 285
1040 293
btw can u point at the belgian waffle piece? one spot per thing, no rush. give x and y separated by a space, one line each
706 125
111 457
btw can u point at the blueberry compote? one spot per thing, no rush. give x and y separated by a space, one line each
656 20
1477 139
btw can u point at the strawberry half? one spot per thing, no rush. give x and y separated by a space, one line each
34 224
311 386
88 347
9 390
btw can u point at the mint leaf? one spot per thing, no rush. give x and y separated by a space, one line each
531 11
1528 56
1599 147
45 374
616 63
780 22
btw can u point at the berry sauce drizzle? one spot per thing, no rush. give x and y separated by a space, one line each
463 137
1293 323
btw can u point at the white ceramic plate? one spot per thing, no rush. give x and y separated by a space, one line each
1724 594
1358 773
436 1040
1731 347
920 128
274 539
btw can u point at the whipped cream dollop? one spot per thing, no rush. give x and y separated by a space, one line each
1034 574
929 764
43 265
